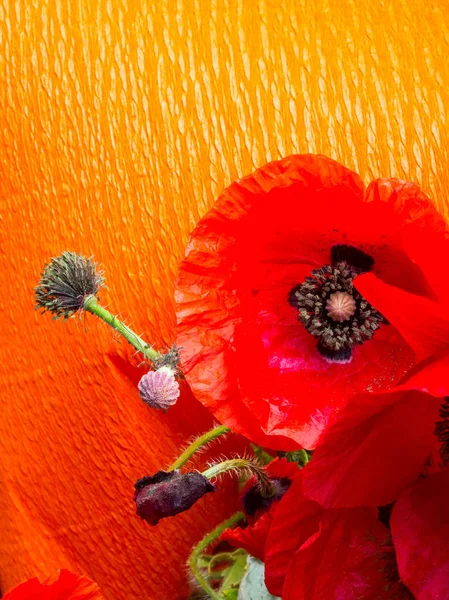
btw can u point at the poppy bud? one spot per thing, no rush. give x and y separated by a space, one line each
65 284
159 389
166 494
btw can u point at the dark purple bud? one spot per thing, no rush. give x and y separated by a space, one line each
166 494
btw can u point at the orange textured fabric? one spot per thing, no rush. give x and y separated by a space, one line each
121 121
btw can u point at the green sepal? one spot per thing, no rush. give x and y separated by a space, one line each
300 457
263 457
232 575
231 594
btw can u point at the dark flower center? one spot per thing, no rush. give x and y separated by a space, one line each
330 307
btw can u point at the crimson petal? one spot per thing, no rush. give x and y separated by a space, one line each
343 561
379 443
422 322
420 530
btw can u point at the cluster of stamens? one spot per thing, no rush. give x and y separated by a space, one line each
332 310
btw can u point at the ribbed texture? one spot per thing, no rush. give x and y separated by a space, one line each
120 122
159 389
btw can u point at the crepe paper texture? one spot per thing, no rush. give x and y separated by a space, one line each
120 124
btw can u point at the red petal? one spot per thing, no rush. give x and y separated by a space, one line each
251 538
420 529
342 561
68 586
296 519
376 447
424 235
379 443
281 467
421 322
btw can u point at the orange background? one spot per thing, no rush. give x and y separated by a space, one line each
121 120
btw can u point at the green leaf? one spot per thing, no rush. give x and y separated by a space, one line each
231 594
253 584
234 573
263 457
300 457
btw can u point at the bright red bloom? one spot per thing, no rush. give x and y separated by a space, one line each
301 230
68 586
260 510
339 554
420 530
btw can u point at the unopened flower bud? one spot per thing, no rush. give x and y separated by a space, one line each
66 282
166 494
159 389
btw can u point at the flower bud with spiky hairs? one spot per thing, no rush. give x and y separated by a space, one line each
65 283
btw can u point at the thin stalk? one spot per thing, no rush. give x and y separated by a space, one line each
201 547
266 487
196 445
92 306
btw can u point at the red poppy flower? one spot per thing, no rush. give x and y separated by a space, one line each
259 510
68 586
339 554
420 530
276 332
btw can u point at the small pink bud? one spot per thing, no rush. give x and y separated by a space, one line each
159 389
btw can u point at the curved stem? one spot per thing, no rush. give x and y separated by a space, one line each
266 487
197 444
91 305
202 545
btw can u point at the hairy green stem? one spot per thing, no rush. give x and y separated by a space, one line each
266 487
91 305
198 444
201 547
